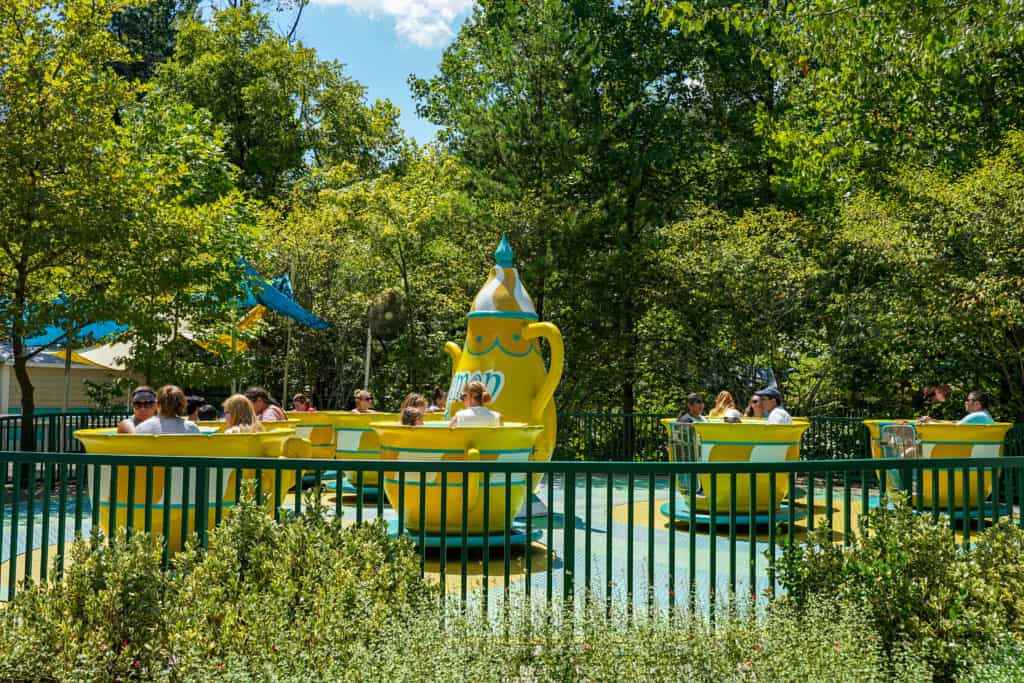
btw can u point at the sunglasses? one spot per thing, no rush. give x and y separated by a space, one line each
754 400
143 404
366 398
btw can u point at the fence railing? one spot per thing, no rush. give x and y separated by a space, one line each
645 534
55 431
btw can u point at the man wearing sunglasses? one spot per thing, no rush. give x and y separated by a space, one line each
143 408
771 407
693 410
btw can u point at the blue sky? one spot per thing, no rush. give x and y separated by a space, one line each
381 42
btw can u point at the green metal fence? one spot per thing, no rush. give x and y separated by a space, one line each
54 431
618 532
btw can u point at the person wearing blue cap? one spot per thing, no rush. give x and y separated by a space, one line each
771 404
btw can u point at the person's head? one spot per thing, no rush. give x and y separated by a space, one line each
170 401
439 397
694 404
412 416
977 400
239 410
143 402
723 402
208 413
300 402
192 405
364 400
768 399
260 398
413 400
474 394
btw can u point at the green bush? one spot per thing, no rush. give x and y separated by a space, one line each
265 597
826 641
922 591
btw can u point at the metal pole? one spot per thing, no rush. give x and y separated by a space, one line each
67 371
366 365
287 349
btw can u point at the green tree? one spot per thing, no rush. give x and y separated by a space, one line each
148 32
589 126
94 214
865 88
413 235
284 110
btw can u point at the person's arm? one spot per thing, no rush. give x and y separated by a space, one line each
126 426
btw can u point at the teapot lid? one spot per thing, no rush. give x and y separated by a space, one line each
503 295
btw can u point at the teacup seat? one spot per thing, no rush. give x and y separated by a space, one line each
274 443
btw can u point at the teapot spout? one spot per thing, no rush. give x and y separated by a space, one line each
454 352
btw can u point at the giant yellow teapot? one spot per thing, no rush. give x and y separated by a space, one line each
501 352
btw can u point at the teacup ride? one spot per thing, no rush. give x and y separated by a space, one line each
955 495
747 441
431 505
319 427
174 491
355 439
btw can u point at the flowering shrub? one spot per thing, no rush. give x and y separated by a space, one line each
921 590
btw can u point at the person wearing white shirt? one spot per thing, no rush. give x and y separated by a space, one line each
976 406
170 401
771 404
474 396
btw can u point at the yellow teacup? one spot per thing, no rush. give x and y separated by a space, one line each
948 440
273 443
742 442
512 442
356 440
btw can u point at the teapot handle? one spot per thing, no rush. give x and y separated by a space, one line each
554 376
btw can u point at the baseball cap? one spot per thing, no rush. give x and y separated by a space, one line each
770 392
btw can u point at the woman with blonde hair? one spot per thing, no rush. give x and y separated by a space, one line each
240 415
413 400
725 407
474 396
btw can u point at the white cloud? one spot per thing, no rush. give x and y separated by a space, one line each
426 23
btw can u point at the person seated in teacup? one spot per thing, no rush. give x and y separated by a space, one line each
364 401
301 404
208 413
413 400
754 408
694 407
240 415
474 396
143 408
170 402
725 408
412 416
976 405
771 406
437 400
267 409
192 405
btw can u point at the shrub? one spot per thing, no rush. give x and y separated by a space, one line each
827 640
265 597
105 618
922 591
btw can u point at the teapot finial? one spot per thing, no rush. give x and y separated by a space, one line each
503 255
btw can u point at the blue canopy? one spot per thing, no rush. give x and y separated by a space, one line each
92 332
277 296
